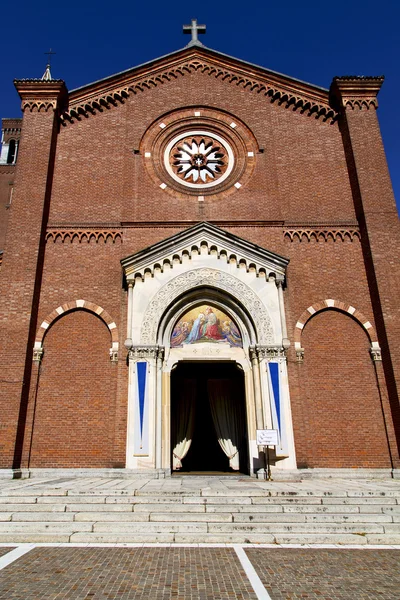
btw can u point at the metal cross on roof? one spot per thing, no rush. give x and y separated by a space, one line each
49 53
194 30
47 74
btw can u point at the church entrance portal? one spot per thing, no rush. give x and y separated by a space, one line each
208 404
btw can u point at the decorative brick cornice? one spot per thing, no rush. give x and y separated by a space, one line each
84 235
353 92
7 169
14 124
322 234
287 92
40 95
111 234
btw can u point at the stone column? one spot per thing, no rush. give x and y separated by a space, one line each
166 420
128 342
158 434
22 268
356 100
257 388
279 285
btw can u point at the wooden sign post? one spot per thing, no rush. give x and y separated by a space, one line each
267 438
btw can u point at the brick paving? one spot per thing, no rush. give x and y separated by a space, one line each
189 573
126 573
328 574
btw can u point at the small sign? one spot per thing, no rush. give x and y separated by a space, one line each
267 437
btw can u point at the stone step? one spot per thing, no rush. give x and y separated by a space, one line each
217 500
207 498
33 508
187 538
310 518
275 528
210 527
195 537
39 517
266 538
35 491
119 508
34 538
210 514
360 501
44 527
238 538
123 538
46 507
86 513
171 508
205 517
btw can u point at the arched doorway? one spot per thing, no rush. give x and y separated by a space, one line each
204 296
208 418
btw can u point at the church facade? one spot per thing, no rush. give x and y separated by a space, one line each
199 248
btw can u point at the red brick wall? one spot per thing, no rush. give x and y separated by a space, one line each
93 274
377 213
316 271
75 407
338 418
301 175
21 277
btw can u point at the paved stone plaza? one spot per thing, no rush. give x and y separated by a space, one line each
196 573
98 538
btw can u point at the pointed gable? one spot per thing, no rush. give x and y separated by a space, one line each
113 90
205 238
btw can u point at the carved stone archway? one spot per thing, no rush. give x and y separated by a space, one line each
206 277
205 263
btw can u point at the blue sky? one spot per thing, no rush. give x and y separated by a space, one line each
313 42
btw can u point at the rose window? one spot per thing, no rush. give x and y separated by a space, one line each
198 159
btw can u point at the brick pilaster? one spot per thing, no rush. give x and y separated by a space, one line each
23 257
356 98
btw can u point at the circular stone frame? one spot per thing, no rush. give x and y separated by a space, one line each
236 138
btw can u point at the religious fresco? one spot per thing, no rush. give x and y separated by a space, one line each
205 324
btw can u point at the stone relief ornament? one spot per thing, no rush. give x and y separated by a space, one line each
376 354
143 352
211 278
266 352
198 159
38 354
